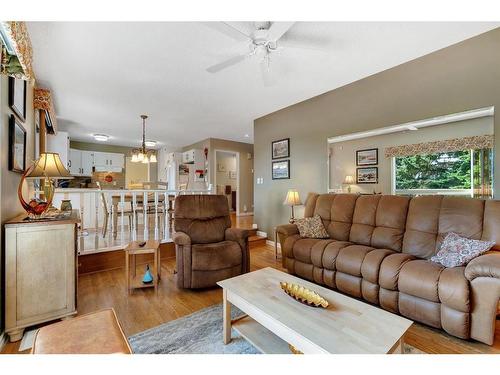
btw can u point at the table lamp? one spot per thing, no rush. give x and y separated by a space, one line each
348 180
292 199
48 167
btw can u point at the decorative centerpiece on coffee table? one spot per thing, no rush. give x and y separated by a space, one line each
304 295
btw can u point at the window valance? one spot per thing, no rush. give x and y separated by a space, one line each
449 145
42 99
18 65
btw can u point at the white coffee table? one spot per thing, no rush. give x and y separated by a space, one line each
273 319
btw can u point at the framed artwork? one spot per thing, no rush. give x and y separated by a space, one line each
281 170
221 167
281 149
17 145
232 175
367 175
367 157
17 97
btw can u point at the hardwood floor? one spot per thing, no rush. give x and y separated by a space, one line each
143 309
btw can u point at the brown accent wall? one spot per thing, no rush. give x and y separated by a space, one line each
461 77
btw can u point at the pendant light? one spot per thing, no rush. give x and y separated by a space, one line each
144 155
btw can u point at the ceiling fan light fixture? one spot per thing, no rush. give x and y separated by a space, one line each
134 158
152 158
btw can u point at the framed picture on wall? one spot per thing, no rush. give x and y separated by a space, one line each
17 97
367 175
281 170
367 157
281 149
17 145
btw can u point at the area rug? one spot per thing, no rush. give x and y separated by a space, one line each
199 333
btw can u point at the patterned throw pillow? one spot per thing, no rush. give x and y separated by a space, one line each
457 251
311 227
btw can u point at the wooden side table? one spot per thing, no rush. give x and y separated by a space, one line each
134 281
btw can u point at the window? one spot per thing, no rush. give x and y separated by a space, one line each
467 172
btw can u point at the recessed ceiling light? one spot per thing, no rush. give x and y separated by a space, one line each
101 137
412 127
150 143
247 135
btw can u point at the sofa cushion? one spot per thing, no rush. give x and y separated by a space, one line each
390 269
215 256
311 227
420 278
457 251
342 211
363 221
371 264
351 258
422 226
390 222
331 252
317 251
453 289
420 309
462 216
302 249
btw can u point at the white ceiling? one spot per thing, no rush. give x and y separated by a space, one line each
104 75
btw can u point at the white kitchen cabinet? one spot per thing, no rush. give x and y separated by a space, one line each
192 156
80 162
75 162
59 143
109 161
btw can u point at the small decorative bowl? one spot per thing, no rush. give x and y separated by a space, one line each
304 295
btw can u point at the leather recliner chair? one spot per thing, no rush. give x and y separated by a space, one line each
207 249
379 250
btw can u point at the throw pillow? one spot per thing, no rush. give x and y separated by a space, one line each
457 251
311 227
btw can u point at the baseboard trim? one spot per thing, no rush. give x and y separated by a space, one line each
271 243
245 214
261 234
3 340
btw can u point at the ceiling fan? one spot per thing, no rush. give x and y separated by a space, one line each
263 43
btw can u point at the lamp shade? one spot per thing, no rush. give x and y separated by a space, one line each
349 180
135 159
49 165
152 158
292 198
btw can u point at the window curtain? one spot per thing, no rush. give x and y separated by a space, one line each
482 173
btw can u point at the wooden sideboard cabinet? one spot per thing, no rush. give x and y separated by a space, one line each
40 272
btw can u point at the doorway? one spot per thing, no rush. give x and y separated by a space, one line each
226 179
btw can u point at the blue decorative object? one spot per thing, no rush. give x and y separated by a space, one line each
148 277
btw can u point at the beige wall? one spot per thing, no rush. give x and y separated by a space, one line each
461 77
343 154
228 161
245 166
9 181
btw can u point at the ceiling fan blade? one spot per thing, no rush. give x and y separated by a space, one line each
288 44
278 29
266 75
226 64
230 31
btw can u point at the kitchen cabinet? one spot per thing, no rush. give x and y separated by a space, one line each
59 143
80 162
108 161
192 156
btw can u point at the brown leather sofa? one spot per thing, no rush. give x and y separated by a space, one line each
379 250
207 249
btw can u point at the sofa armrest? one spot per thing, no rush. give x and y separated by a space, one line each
287 229
240 236
483 274
487 265
236 234
181 238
